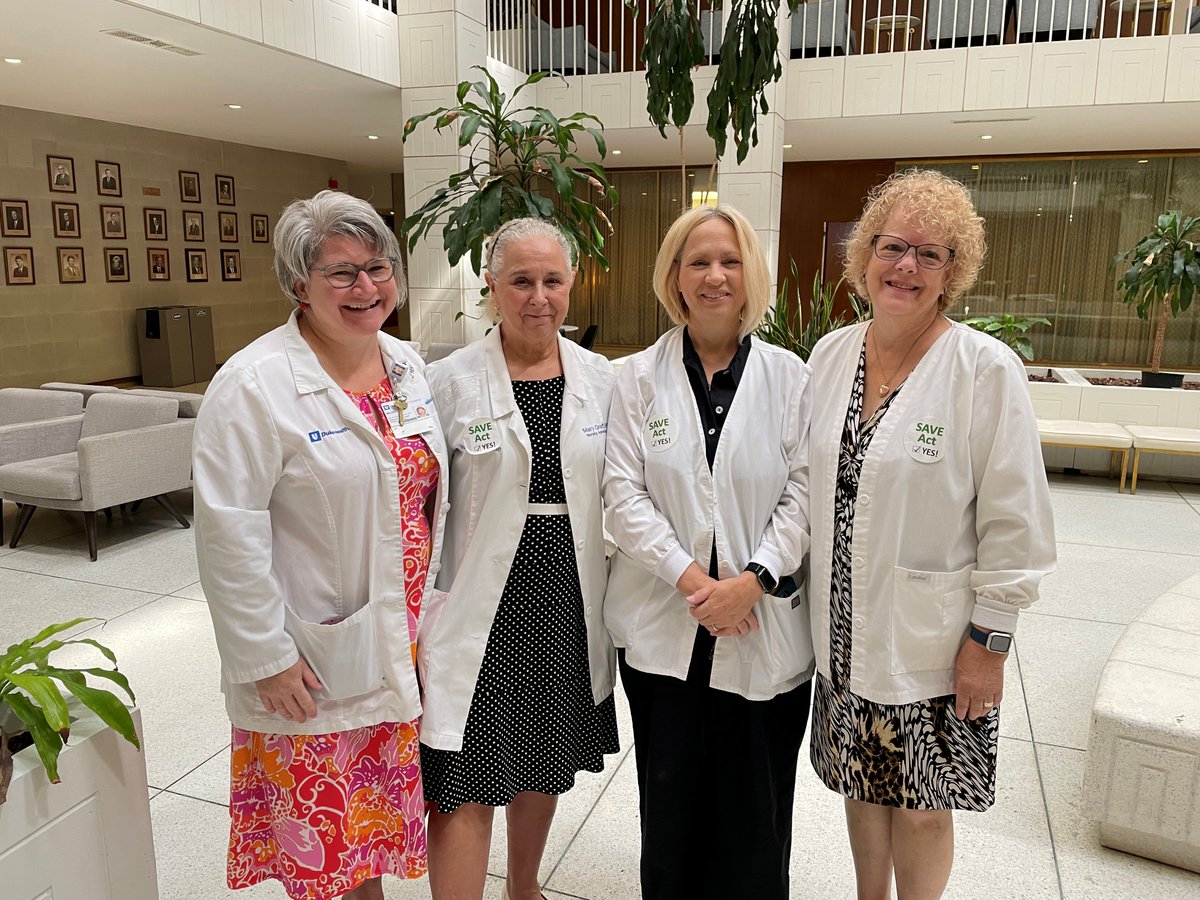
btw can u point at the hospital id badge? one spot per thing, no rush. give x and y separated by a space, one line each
417 419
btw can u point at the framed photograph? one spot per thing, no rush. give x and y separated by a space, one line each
193 225
18 265
61 171
14 218
260 229
155 221
228 222
189 186
231 265
70 266
225 190
158 264
66 219
116 264
112 222
108 179
197 264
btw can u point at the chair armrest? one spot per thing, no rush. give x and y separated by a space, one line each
34 440
123 466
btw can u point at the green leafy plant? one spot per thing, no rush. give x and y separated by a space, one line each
799 332
1009 329
522 163
30 688
1164 272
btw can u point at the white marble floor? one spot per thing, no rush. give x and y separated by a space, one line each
1116 554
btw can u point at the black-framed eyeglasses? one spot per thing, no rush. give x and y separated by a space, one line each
890 248
344 274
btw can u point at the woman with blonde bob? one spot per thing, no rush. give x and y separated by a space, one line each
931 528
711 526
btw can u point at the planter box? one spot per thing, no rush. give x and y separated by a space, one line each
87 838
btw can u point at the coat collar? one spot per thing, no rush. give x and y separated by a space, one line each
306 368
500 384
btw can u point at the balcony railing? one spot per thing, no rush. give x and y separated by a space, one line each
589 37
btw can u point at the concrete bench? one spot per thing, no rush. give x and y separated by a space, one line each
1090 436
1142 780
1161 439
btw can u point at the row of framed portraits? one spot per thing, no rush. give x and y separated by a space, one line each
14 222
60 170
19 269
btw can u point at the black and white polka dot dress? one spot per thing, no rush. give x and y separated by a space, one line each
533 723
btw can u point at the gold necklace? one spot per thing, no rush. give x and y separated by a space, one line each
885 389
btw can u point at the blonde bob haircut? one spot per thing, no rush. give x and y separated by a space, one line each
756 278
932 203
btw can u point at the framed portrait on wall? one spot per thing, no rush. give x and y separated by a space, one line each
158 264
155 221
225 190
66 219
260 229
112 222
196 264
18 266
108 179
14 218
231 265
193 225
229 230
61 172
116 264
70 266
189 186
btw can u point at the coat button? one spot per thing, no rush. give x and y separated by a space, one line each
864 499
579 545
859 562
567 473
858 623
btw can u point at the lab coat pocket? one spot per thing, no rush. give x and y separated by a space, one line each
427 632
343 655
786 635
930 612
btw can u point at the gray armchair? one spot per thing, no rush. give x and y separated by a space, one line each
822 28
86 389
122 449
964 23
564 50
1056 20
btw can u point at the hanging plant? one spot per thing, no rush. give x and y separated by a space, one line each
523 162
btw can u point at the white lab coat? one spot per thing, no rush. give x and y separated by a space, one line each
298 522
664 507
952 523
490 498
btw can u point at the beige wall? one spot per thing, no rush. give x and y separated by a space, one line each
85 332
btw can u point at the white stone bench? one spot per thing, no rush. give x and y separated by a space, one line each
1092 436
1161 439
1142 781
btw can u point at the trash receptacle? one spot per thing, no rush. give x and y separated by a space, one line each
204 356
165 346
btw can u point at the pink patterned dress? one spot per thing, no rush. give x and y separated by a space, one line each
323 813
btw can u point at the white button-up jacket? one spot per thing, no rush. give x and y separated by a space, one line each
952 524
297 523
490 465
664 509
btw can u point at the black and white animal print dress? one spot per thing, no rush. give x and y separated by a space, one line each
914 755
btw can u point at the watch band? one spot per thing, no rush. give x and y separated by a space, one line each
766 580
995 641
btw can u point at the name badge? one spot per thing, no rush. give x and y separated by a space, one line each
417 418
483 436
925 439
660 433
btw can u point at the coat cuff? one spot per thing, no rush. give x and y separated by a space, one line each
672 566
995 615
266 670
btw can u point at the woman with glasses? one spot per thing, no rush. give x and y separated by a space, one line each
931 529
319 490
515 660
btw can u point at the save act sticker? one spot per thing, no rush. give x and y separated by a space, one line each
482 436
660 433
925 439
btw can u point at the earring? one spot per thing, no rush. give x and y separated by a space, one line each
303 306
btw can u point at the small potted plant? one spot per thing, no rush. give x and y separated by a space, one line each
1009 329
1163 273
32 705
800 331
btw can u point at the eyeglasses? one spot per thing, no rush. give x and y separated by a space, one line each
890 248
344 274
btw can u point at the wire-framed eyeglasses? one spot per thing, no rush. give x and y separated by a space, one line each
344 274
890 248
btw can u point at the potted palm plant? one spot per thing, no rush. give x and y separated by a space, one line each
799 330
1163 276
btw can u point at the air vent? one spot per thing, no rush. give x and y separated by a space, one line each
990 121
151 42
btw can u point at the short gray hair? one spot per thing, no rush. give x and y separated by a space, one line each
305 225
512 232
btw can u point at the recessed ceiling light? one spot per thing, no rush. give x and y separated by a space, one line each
985 137
787 146
372 137
643 193
616 153
233 105
12 60
1143 161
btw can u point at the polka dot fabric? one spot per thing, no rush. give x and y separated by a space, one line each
533 723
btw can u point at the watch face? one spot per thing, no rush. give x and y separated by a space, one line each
999 643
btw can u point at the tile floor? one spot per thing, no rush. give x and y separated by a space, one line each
1116 554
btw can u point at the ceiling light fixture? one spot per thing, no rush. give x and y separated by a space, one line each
12 60
974 168
372 137
616 153
233 105
985 137
1142 162
787 146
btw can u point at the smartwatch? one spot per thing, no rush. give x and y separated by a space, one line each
995 641
766 580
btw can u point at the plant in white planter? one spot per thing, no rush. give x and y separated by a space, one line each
30 694
1009 329
1164 272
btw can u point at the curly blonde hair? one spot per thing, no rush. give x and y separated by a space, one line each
933 203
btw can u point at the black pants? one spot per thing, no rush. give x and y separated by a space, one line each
716 779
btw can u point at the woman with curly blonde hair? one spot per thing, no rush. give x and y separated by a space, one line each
931 529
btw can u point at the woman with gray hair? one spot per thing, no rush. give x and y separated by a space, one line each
319 513
515 661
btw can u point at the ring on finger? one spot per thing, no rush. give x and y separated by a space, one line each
988 704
